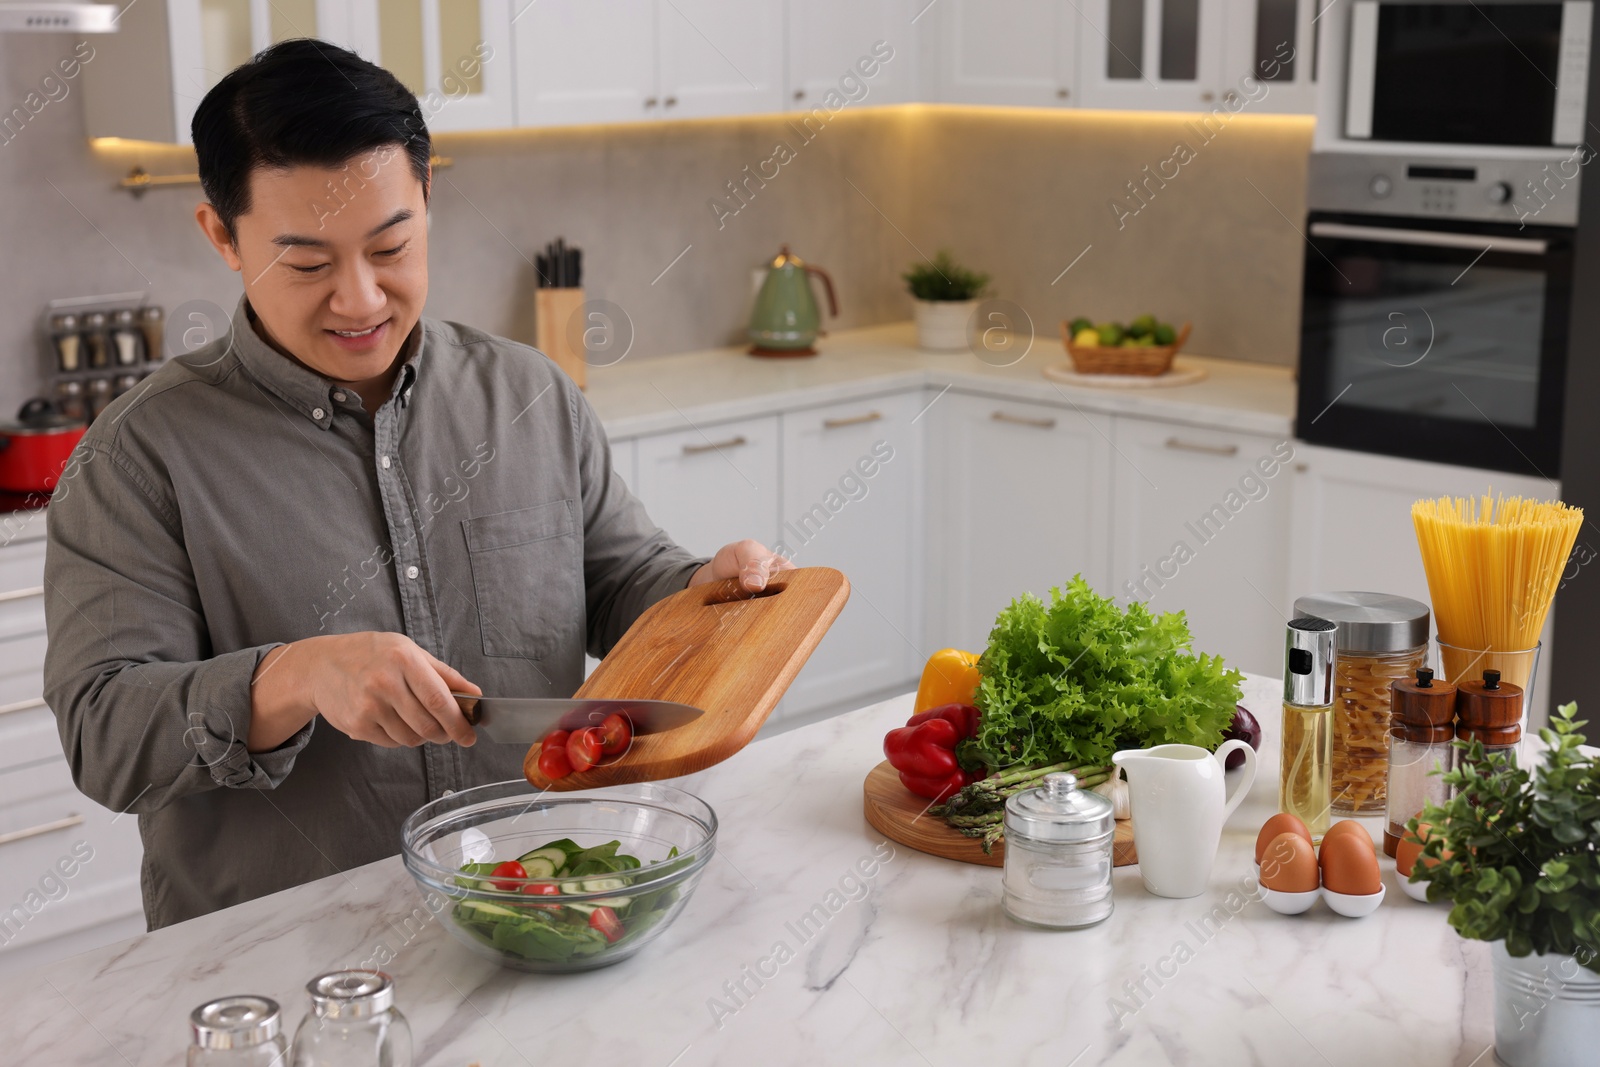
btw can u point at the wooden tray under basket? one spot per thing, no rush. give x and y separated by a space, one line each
1151 361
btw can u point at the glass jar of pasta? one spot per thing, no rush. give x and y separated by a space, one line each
1380 638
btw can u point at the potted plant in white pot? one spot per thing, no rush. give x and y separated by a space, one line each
946 296
1518 855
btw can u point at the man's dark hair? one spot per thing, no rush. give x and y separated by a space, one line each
303 102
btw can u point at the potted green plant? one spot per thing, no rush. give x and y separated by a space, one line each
1518 855
946 295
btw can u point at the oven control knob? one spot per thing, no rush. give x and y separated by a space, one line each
1499 193
1380 186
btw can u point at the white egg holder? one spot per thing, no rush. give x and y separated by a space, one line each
1349 905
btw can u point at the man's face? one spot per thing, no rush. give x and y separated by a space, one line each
334 260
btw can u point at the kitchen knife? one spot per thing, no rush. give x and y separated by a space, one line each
528 720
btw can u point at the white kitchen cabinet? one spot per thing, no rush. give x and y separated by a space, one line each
145 81
711 484
852 478
1273 44
1020 501
833 43
581 61
456 55
720 57
1200 525
1009 52
1152 55
1351 527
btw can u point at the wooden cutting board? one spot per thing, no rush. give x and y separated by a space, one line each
715 647
898 814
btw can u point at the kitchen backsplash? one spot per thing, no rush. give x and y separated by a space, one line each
1104 214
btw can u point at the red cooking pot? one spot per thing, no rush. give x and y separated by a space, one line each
34 449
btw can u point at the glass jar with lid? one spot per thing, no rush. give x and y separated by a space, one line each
1058 855
1381 638
352 1023
237 1031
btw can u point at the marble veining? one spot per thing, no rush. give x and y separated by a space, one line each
921 968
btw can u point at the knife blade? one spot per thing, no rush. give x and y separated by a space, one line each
527 720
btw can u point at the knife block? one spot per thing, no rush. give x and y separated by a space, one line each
558 332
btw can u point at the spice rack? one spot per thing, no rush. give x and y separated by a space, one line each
99 347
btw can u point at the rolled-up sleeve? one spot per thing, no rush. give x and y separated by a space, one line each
147 710
629 562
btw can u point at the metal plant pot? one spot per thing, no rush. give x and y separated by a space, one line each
1546 1010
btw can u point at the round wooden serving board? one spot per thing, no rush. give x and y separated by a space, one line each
897 813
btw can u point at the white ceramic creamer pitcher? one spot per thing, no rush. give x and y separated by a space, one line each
1178 800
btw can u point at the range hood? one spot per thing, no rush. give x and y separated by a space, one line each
43 16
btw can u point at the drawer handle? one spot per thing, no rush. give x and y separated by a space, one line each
43 828
22 705
22 594
1020 420
1211 450
851 420
715 446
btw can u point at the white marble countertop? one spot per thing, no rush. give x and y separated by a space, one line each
925 970
673 392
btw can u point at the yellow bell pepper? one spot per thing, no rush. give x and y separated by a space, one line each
950 677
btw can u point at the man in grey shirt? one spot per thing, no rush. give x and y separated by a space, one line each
271 562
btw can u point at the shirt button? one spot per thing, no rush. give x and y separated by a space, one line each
339 396
411 572
317 413
385 462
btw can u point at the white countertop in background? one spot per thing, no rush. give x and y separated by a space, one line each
670 392
924 971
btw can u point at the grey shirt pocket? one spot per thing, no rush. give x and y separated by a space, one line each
527 573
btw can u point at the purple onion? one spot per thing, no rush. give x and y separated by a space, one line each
1244 728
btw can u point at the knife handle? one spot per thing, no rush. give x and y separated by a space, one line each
469 707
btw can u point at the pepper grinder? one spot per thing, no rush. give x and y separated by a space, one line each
150 322
95 334
68 345
1305 788
125 338
1420 736
1490 711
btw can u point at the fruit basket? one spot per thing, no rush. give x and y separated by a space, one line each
1144 357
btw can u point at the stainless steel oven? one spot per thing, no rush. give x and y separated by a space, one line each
1438 339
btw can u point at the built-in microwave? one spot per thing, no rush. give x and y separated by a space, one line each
1458 72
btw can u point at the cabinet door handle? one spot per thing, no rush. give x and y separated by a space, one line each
671 101
22 705
715 446
22 594
851 420
649 101
1212 450
43 828
1022 420
799 94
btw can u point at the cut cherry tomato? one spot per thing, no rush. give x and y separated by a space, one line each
605 920
583 748
555 739
553 763
616 733
509 869
543 889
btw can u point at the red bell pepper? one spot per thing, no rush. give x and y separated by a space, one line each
924 750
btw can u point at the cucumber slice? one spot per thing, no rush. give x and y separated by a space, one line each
584 909
572 887
482 909
614 903
603 885
554 855
539 866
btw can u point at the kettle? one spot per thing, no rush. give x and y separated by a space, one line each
786 320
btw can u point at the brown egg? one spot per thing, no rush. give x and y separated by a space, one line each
1353 828
1349 864
1410 849
1283 822
1289 864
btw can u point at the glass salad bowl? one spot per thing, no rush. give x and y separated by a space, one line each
558 882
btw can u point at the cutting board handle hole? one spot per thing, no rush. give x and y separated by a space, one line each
731 592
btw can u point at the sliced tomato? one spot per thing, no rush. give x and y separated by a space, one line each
555 739
616 734
510 869
605 920
583 748
543 889
553 763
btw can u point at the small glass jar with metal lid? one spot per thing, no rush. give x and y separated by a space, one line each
1382 638
1058 855
238 1031
352 1023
